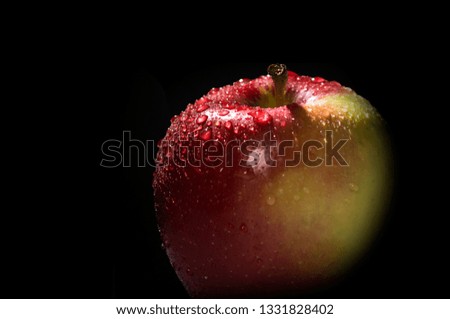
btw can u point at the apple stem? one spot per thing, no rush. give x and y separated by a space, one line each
279 75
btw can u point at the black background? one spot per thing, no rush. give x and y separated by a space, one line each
100 238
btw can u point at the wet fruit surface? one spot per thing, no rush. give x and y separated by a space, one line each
233 225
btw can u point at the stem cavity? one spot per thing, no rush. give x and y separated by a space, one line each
279 74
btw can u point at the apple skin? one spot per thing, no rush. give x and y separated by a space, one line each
271 231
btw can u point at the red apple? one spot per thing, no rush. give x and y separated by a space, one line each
271 187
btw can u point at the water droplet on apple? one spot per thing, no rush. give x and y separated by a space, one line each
318 79
229 106
261 117
205 277
205 136
202 108
228 125
224 112
209 123
202 119
198 128
189 271
270 200
353 187
243 228
190 119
